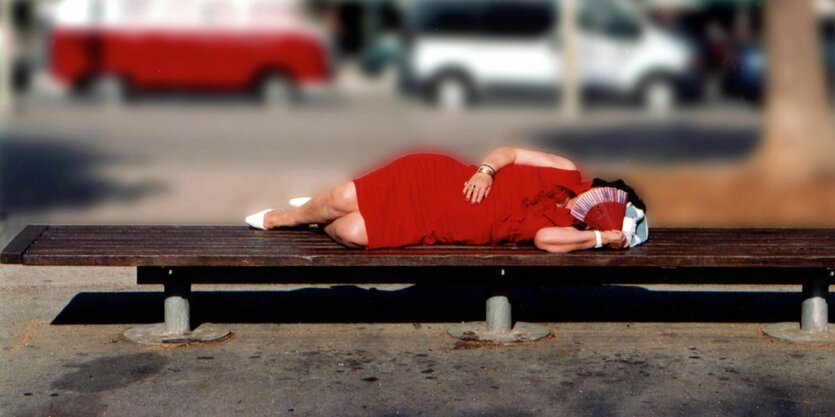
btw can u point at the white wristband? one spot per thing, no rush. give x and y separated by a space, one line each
598 239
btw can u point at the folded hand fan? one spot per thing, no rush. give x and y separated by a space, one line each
601 208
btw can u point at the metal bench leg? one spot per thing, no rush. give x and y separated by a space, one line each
498 327
499 319
177 326
177 308
814 316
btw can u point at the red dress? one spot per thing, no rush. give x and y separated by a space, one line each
417 199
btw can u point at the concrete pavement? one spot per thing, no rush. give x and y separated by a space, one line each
405 369
313 352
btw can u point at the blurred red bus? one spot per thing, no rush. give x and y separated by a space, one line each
123 46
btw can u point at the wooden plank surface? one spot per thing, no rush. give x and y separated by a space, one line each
13 252
241 246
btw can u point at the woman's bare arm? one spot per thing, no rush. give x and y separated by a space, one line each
478 187
506 155
568 239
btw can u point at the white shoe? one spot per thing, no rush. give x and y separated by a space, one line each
299 201
257 220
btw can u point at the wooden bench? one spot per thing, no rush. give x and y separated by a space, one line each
178 256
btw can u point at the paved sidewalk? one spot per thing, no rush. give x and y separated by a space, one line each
324 368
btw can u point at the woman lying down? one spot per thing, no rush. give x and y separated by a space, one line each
514 195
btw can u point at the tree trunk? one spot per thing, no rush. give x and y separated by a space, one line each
799 135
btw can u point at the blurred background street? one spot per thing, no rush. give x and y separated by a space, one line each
204 111
208 163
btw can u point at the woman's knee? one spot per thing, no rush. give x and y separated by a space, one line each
349 230
344 197
356 233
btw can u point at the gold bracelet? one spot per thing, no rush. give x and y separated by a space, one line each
486 169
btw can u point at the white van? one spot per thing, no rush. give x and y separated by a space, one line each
460 49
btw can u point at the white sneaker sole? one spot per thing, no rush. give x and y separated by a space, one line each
299 201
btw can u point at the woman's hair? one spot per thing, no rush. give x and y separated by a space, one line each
632 196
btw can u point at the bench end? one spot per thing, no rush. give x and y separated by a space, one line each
13 252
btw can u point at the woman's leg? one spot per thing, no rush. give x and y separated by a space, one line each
321 209
349 230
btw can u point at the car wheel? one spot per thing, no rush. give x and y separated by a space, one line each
658 95
276 89
452 92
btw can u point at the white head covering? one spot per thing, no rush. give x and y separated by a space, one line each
635 225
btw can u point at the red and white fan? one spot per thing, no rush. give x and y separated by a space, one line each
601 208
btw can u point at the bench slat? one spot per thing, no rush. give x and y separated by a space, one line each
241 246
272 261
229 232
13 252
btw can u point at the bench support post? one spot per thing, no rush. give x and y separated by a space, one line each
814 310
177 314
177 326
498 314
814 315
498 326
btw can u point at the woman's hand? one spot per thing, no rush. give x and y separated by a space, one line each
478 187
615 239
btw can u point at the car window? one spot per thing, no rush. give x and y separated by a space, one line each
440 17
272 14
518 19
75 13
132 13
220 13
607 17
178 14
